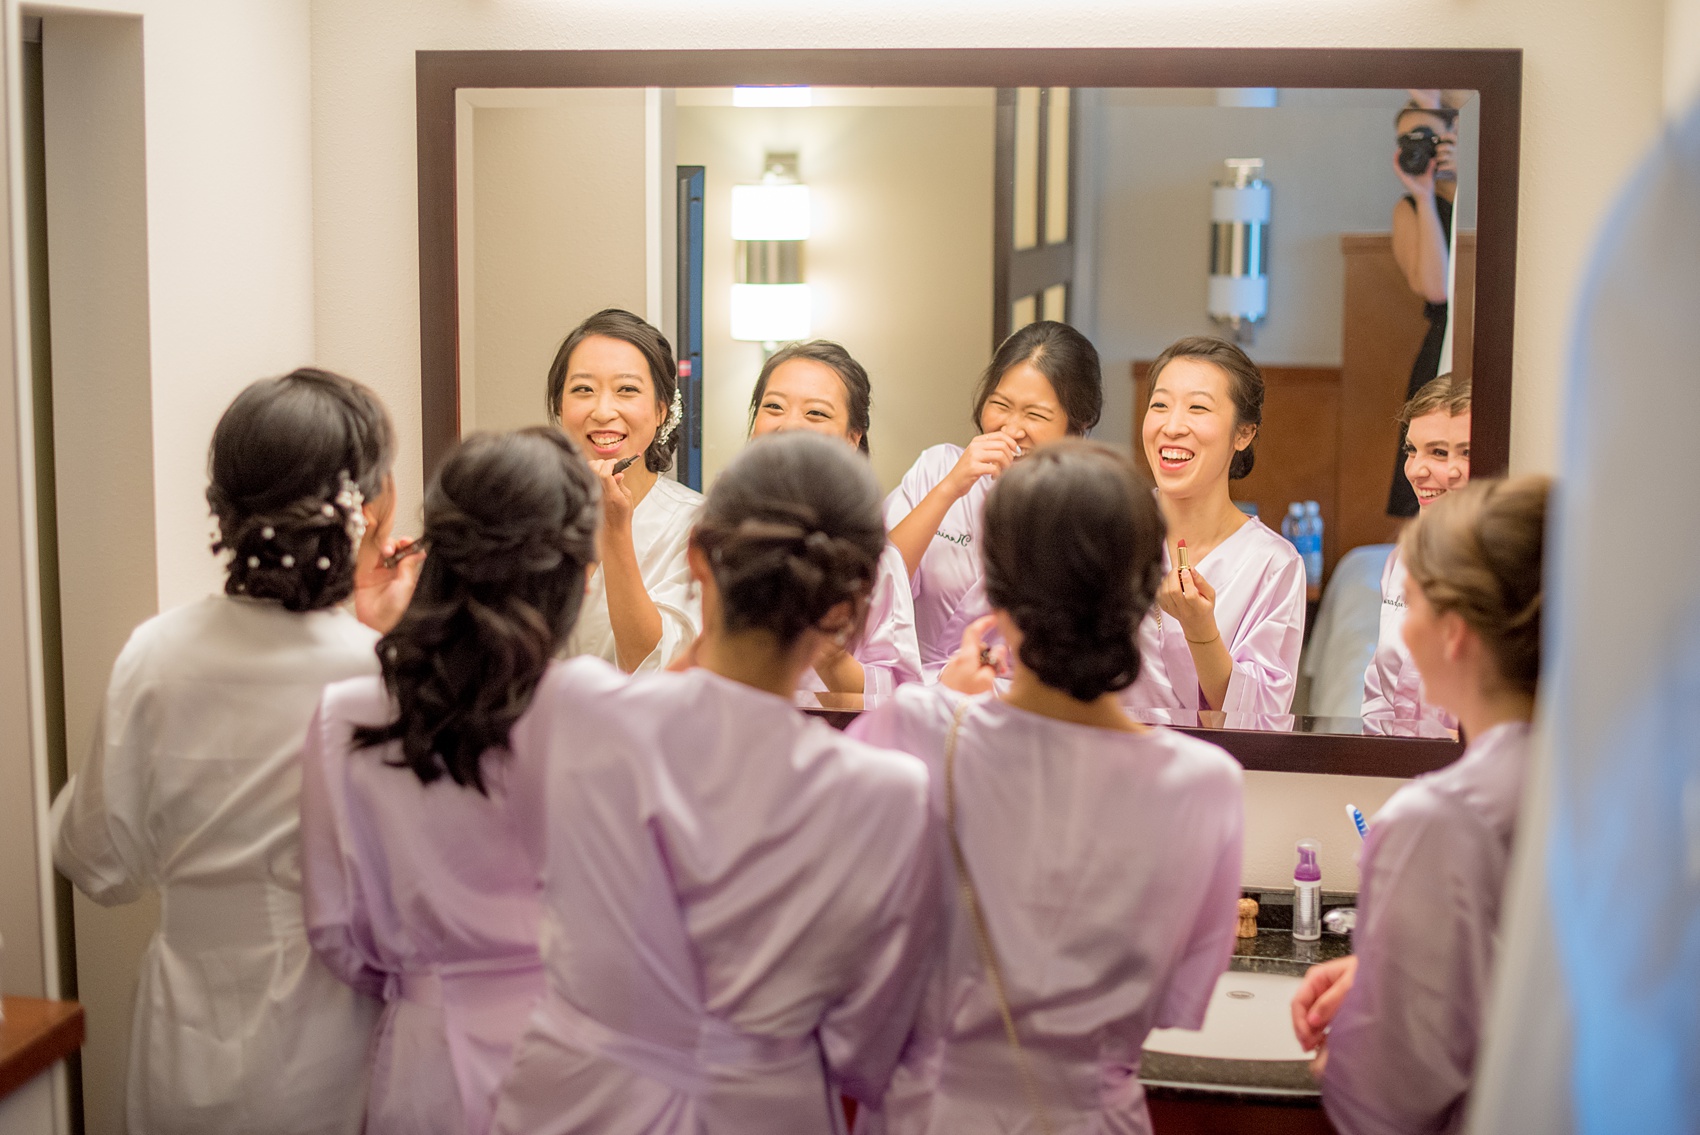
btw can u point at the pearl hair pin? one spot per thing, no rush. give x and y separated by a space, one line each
324 563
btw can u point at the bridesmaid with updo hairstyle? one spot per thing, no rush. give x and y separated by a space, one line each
1397 1026
1228 625
1076 833
818 386
192 788
1044 383
614 389
422 838
738 897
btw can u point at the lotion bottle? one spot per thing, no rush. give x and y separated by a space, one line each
1307 893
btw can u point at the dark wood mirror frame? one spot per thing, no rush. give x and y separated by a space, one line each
1496 76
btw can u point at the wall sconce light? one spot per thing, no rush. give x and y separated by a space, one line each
1239 254
770 222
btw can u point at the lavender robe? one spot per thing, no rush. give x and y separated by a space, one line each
948 583
1260 610
887 649
1108 868
427 896
738 903
1392 686
1402 1048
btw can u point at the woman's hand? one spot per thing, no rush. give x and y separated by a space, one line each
1318 1000
1188 598
617 503
986 456
381 593
975 666
1421 185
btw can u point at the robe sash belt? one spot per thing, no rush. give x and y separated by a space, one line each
719 1049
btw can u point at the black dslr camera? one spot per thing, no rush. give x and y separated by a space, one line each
1417 148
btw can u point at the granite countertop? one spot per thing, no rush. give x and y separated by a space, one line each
1261 1081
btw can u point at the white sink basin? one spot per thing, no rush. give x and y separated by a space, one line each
1248 1019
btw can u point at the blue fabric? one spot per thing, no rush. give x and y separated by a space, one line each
1622 684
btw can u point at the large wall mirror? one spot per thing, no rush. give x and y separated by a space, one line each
919 206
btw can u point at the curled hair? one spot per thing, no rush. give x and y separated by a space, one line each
1073 549
1444 393
858 391
657 352
276 472
792 528
510 525
1066 358
1477 551
1245 388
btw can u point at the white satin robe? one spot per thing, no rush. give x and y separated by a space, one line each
426 896
948 584
1392 687
887 648
738 902
1108 868
1402 1049
193 788
1260 610
661 531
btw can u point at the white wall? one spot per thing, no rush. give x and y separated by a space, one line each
899 257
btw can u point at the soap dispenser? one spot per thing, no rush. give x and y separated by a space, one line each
1307 893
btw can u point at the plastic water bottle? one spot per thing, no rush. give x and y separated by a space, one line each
1292 525
1312 547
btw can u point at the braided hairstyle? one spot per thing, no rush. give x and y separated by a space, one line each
510 524
1073 547
1477 551
792 528
282 461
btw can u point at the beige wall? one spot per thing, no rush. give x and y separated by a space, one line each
558 232
899 257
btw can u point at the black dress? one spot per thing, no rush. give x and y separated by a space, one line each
1402 500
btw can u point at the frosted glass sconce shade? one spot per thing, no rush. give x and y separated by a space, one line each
771 313
770 212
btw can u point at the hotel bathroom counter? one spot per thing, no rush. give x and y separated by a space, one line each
1267 1082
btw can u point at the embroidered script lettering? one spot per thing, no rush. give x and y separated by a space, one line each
961 540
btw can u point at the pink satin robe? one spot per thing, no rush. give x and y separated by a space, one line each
428 896
948 584
1392 686
1402 1049
1260 610
739 901
1108 868
887 649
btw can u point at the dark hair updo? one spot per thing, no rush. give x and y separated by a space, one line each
657 352
1245 388
858 391
277 467
1066 358
1073 548
792 528
510 524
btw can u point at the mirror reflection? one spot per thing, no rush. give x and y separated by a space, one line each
1263 296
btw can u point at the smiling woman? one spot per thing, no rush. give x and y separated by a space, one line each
614 389
1043 384
1229 622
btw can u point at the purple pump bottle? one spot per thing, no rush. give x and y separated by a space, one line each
1307 893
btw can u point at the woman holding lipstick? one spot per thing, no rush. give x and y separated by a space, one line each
1229 622
1437 461
1043 384
614 389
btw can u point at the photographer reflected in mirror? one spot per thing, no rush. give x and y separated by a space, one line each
1425 162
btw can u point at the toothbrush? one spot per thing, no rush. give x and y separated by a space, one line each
1357 819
